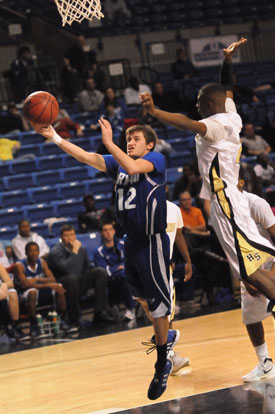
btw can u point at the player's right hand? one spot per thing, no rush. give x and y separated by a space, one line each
47 132
147 102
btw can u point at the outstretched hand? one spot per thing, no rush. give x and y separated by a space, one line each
231 49
147 102
47 132
106 131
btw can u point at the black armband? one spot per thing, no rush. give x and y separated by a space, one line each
227 76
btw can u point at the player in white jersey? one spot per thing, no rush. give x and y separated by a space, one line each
174 231
218 150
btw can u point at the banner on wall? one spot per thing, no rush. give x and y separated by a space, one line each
208 51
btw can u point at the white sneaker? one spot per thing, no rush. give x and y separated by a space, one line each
261 372
178 361
129 314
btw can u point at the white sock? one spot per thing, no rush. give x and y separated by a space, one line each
262 352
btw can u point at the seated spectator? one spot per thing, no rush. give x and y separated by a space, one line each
163 147
90 219
166 101
115 119
110 98
134 90
20 70
68 260
24 236
9 150
192 217
253 143
189 181
66 127
13 120
37 285
264 170
182 68
10 255
9 306
115 9
110 256
90 98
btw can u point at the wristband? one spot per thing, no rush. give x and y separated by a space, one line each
56 139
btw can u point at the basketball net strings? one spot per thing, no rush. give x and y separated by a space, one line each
77 10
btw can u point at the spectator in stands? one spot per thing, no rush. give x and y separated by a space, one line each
189 182
110 256
253 183
182 68
24 236
253 143
115 9
91 218
110 98
9 150
163 147
66 127
132 93
243 94
77 61
192 217
167 101
265 87
90 98
20 73
9 306
13 120
264 170
268 130
11 258
69 262
37 285
115 119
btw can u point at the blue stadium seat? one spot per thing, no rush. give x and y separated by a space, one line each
23 166
179 144
173 132
94 142
10 216
90 241
30 149
85 118
43 194
69 161
19 181
177 159
50 177
99 185
38 212
173 174
8 232
68 208
75 173
82 143
6 168
52 242
56 226
31 138
50 148
14 198
103 200
50 162
40 228
74 189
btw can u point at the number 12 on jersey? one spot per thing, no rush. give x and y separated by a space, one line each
124 202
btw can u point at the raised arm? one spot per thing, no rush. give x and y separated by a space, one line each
90 158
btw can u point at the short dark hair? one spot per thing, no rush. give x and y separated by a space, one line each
213 89
29 244
105 223
66 227
87 197
148 132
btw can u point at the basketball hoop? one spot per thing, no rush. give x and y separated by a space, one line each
77 10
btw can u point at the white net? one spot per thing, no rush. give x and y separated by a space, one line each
77 10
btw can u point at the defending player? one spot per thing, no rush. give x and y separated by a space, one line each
141 207
218 151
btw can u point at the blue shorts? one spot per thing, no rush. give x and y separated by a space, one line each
147 271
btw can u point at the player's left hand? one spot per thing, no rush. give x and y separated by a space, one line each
106 131
231 49
188 272
47 132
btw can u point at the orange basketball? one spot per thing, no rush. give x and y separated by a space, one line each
41 108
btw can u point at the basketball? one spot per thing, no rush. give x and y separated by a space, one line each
41 108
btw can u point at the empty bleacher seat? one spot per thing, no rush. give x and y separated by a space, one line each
14 198
69 161
42 194
99 185
177 159
10 216
40 228
82 143
31 138
38 212
75 173
50 148
30 149
23 166
50 162
8 232
68 208
173 174
103 200
48 177
56 226
19 181
6 168
74 189
179 144
90 241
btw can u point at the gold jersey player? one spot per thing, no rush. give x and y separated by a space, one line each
218 150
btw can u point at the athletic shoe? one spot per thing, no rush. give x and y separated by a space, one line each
178 362
159 382
173 337
130 314
36 332
66 327
261 372
18 334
